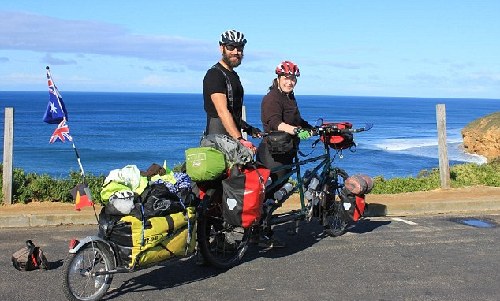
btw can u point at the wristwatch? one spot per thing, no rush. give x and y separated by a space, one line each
296 130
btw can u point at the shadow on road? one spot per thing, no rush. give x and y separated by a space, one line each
171 274
367 225
178 272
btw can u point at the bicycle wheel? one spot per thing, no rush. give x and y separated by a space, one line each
336 219
80 282
220 244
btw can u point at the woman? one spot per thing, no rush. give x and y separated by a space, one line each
279 112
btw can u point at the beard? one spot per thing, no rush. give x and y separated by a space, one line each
235 62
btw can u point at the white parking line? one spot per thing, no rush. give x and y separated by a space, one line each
397 219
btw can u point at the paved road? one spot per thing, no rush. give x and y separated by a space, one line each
418 258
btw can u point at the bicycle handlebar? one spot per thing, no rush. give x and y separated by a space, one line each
331 128
334 129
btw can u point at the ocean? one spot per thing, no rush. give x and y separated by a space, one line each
112 130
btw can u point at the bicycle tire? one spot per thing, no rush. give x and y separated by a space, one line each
221 245
78 283
337 220
335 216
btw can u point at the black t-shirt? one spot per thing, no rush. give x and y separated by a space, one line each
215 82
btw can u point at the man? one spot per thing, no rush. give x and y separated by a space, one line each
223 92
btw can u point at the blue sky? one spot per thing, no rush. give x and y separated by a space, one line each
426 48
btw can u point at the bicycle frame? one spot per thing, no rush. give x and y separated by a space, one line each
324 164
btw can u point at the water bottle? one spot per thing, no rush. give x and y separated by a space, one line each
311 188
284 191
314 183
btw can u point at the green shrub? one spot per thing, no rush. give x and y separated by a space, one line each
34 187
463 175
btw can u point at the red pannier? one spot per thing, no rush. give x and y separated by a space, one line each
353 204
336 141
353 194
242 195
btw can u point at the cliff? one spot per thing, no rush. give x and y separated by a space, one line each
482 136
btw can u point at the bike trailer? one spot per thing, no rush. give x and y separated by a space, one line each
155 239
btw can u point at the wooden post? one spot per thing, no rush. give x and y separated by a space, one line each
444 166
8 142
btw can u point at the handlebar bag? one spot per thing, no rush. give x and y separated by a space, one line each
242 195
340 140
280 143
204 163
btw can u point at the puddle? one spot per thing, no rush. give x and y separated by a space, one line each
475 222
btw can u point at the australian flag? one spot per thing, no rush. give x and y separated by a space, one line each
56 111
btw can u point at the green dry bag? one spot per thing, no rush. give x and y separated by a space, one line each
204 163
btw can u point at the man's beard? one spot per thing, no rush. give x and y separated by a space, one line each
227 59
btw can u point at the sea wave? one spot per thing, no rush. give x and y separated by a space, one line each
391 144
428 147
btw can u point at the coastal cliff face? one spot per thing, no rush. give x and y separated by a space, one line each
482 136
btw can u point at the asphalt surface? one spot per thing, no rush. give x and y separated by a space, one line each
425 258
469 199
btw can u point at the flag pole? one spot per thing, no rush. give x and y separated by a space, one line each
56 113
59 100
82 172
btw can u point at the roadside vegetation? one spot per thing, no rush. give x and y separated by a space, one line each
462 175
30 187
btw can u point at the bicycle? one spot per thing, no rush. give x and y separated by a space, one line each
92 261
223 245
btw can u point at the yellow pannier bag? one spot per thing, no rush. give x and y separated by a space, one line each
162 237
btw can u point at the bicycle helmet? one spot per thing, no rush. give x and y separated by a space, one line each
232 37
287 68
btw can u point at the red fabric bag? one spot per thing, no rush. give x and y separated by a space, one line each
359 209
242 195
342 141
354 204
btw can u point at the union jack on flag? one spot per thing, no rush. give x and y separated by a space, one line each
61 133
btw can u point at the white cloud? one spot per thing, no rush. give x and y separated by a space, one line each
24 31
